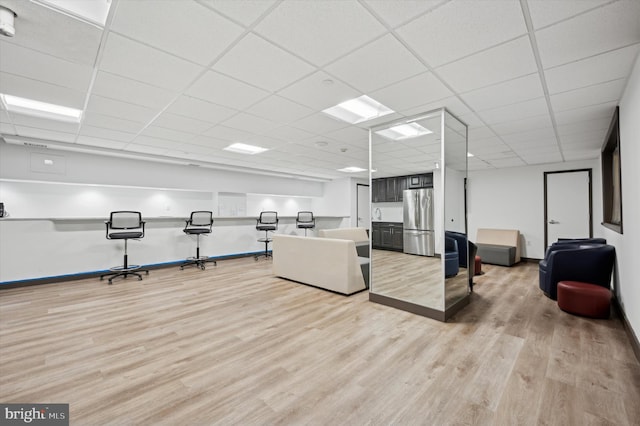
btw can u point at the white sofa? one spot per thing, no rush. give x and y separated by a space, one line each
354 234
495 245
328 263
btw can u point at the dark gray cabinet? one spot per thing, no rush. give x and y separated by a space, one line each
387 236
390 189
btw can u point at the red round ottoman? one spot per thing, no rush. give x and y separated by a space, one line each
478 265
589 300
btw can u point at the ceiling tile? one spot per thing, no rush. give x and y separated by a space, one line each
453 104
131 91
516 126
164 133
391 61
517 111
545 12
591 95
278 68
508 92
550 157
544 136
419 90
39 66
146 64
501 63
244 11
319 91
186 29
106 133
585 126
181 123
55 34
209 142
587 113
507 162
461 28
95 119
202 110
319 123
581 155
222 90
288 134
320 31
597 69
250 123
12 84
125 110
395 13
607 28
227 133
279 110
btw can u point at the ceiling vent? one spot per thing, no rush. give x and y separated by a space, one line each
35 145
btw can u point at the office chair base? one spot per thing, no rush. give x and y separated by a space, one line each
120 271
198 262
267 254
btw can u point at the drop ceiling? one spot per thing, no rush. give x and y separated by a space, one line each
536 81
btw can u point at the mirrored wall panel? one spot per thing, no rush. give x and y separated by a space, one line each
415 163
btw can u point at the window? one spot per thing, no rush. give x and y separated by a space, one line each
611 178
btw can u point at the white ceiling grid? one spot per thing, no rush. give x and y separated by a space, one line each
536 81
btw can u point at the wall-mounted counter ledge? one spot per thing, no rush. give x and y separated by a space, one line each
153 218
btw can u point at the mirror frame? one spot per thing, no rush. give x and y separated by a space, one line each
405 305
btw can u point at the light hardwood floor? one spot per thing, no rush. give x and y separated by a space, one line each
416 279
235 345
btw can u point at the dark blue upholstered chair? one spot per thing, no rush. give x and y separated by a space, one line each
589 263
451 266
466 253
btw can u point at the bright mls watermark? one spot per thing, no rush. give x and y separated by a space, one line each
34 414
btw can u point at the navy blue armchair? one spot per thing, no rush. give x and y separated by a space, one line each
590 263
466 253
451 256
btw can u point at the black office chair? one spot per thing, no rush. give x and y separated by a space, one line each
305 220
200 223
268 221
125 225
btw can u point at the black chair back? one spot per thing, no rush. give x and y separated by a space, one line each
201 218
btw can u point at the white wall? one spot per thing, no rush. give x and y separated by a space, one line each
513 198
15 163
42 248
627 283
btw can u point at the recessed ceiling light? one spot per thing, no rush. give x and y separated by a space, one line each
404 131
25 106
358 110
469 154
352 169
321 143
243 148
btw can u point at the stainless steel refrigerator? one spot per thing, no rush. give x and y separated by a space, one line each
418 234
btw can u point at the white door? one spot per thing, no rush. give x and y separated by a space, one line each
364 206
568 205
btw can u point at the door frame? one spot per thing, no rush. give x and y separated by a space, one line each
546 218
358 203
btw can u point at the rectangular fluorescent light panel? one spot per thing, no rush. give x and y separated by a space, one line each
469 155
352 169
39 109
358 110
94 11
243 148
404 131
